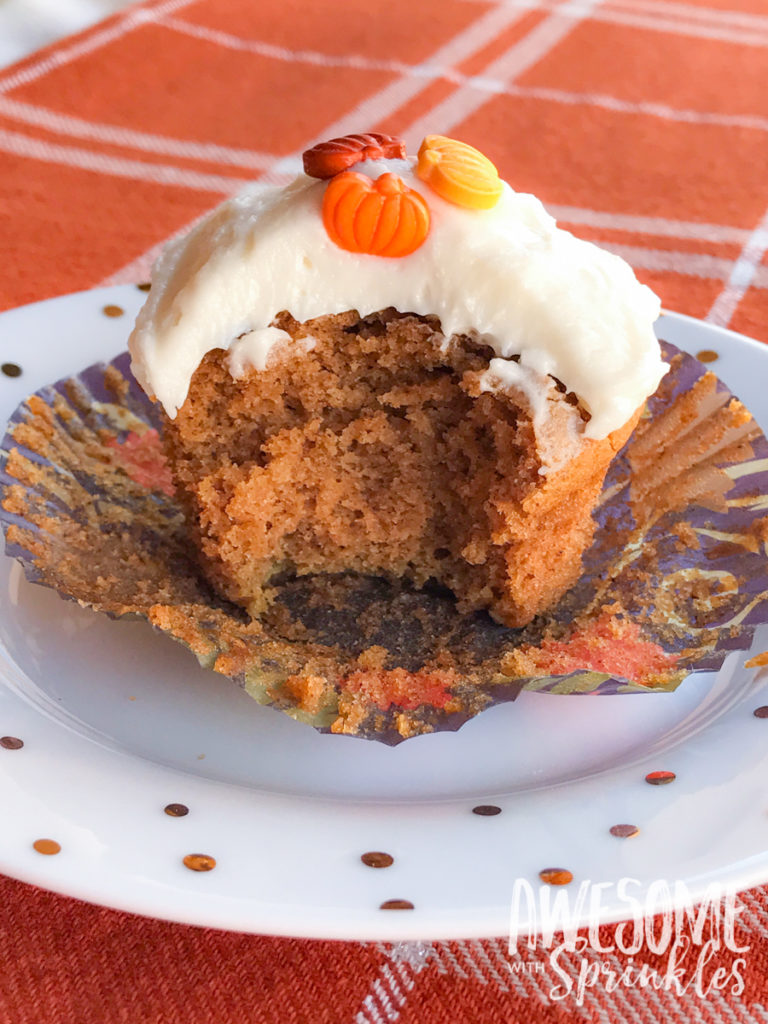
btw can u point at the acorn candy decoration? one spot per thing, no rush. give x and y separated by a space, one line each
327 159
382 218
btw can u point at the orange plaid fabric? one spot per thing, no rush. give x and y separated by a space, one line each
642 124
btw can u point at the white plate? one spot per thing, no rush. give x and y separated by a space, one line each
117 722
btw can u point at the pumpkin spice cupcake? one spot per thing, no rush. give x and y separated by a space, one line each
398 367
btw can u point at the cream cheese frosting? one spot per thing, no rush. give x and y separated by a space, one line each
507 275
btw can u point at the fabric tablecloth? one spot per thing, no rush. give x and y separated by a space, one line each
642 124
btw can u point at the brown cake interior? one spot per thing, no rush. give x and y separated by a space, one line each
370 447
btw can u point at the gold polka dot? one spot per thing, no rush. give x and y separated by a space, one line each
176 810
199 862
113 311
47 846
556 876
707 355
761 712
486 810
11 742
396 905
624 831
377 859
11 369
144 286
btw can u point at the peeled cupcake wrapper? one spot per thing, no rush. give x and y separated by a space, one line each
676 577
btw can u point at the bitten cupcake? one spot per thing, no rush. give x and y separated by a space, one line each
394 366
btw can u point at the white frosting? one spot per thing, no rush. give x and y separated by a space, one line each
507 373
558 426
508 275
251 351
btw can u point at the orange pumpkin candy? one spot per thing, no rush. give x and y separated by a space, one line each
381 218
459 173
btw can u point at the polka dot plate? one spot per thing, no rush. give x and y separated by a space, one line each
133 778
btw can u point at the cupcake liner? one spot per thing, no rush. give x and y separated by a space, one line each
675 579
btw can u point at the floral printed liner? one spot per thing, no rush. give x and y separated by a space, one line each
675 579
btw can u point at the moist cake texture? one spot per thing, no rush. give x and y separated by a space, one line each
376 451
361 416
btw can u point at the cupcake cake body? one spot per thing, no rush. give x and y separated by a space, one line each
399 367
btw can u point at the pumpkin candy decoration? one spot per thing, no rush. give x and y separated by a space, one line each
327 159
459 173
382 218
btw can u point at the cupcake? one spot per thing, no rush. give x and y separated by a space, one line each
397 367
